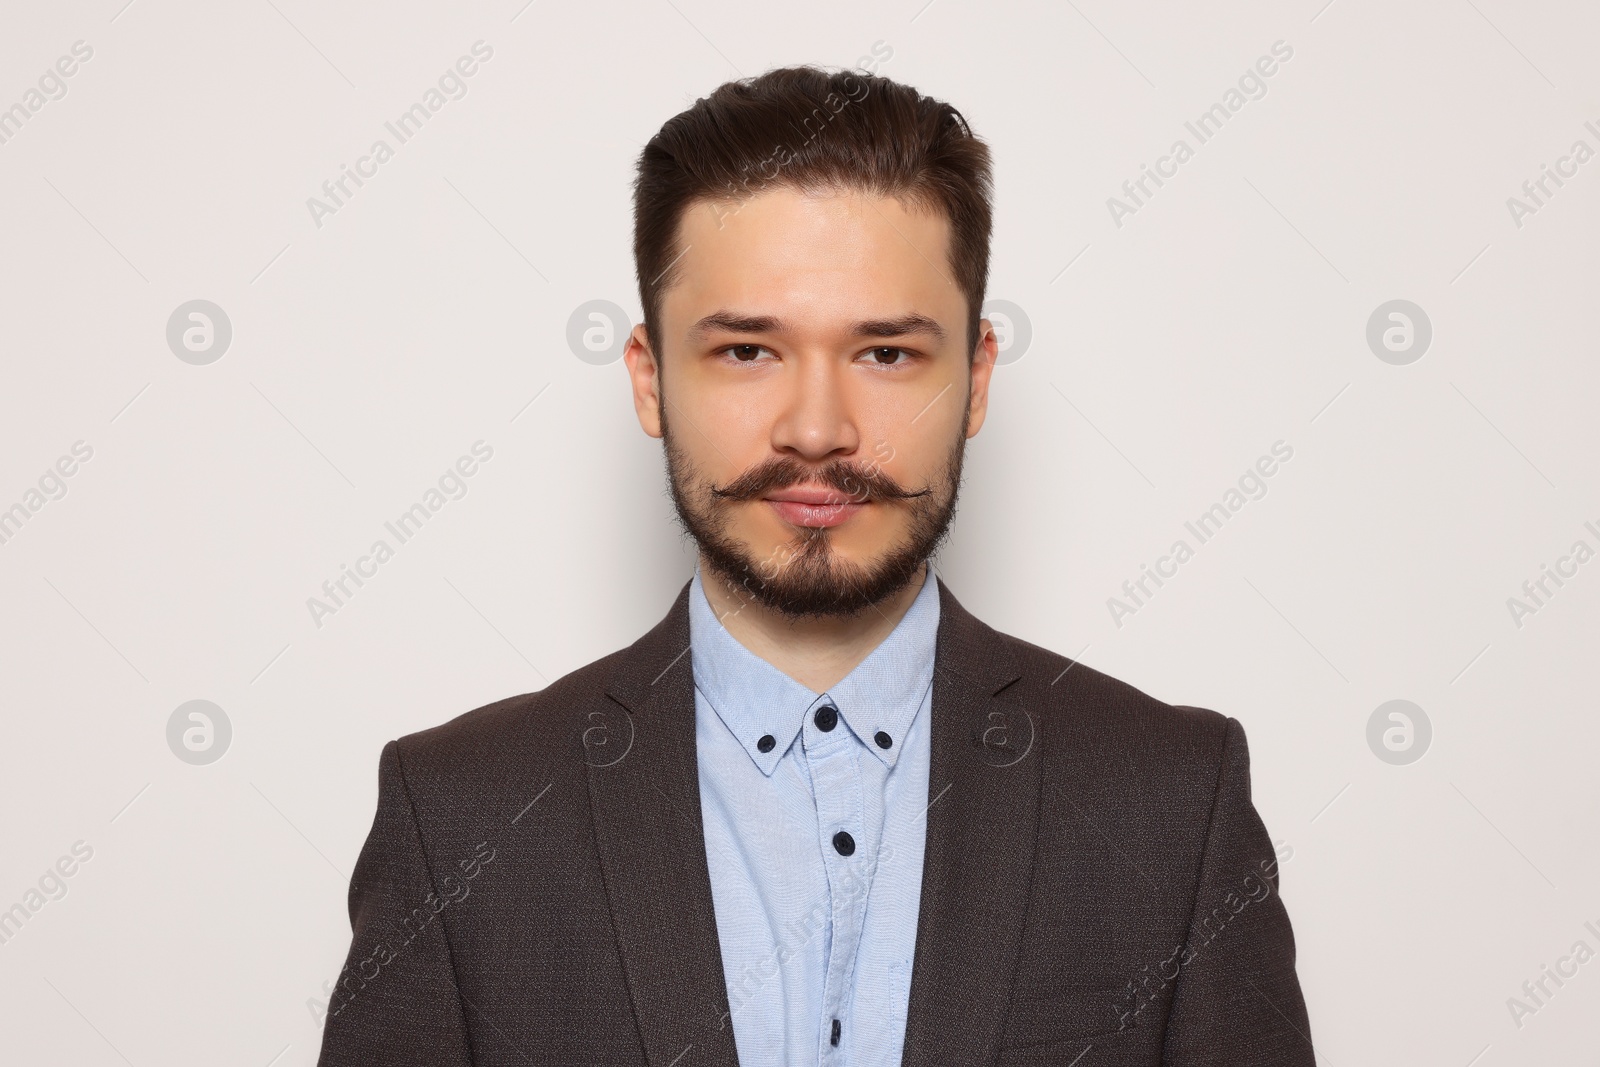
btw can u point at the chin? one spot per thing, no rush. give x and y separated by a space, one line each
858 542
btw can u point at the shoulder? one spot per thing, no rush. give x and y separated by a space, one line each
1131 764
1072 700
1116 722
511 734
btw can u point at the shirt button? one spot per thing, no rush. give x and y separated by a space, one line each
827 717
883 739
843 843
767 743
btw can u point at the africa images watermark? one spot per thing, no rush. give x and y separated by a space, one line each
1252 485
1566 168
451 85
1531 1002
1536 592
1143 989
355 977
51 485
452 485
855 883
756 177
52 885
1251 85
51 85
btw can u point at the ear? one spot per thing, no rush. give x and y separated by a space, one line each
645 373
983 361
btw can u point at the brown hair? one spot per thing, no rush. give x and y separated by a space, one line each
806 128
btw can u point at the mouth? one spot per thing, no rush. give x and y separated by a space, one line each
816 508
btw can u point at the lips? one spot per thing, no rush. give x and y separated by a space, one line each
813 507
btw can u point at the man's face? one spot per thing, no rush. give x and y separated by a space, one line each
814 394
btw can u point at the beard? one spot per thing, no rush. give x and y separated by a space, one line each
806 577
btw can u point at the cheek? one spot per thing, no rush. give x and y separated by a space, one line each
925 404
744 421
726 439
722 410
914 447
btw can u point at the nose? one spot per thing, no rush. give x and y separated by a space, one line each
816 420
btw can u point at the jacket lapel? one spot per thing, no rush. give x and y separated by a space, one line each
645 794
983 793
977 867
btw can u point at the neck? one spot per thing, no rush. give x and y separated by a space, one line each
816 652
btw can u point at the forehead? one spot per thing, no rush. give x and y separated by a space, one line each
830 255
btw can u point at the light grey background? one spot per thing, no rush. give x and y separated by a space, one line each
430 311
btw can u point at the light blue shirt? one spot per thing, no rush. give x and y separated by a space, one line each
813 939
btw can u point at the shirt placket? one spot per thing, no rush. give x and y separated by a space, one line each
832 759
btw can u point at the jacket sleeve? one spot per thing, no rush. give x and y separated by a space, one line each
1237 1000
396 1000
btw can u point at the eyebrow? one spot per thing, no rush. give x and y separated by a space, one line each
729 322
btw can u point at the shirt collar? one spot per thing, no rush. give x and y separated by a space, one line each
754 699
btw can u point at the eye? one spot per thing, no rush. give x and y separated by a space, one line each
886 356
743 353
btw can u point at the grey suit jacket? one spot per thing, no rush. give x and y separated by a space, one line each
1097 890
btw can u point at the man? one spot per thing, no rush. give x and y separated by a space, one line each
820 814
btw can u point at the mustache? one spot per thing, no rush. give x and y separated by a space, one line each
860 483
